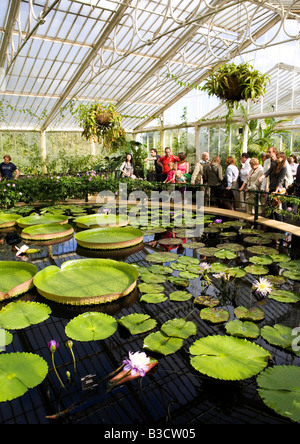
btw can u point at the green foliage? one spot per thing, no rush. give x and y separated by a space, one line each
21 314
91 326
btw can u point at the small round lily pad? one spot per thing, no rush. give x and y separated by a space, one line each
214 315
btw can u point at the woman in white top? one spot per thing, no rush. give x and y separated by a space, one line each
127 167
231 177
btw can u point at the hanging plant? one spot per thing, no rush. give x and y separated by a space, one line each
101 123
233 83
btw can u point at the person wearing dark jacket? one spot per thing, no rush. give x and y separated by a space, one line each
213 176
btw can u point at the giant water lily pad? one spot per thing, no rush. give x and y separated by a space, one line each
102 220
91 326
22 314
279 388
15 278
109 238
47 232
8 220
159 342
20 372
36 219
86 281
228 357
137 323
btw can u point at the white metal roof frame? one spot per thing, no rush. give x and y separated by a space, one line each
121 52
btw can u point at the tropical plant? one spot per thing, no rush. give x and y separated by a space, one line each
101 123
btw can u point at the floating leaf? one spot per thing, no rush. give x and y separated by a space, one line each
179 282
160 269
21 314
257 249
257 240
228 358
230 246
225 254
180 296
218 267
150 278
278 334
179 328
15 278
159 342
279 388
242 329
186 260
207 251
188 275
250 314
137 323
6 338
280 257
20 372
207 301
261 260
276 280
193 245
91 326
162 257
236 272
257 269
293 265
153 298
214 315
284 296
293 275
151 288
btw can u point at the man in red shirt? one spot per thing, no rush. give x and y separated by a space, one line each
165 160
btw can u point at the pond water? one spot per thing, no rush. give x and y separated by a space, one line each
174 392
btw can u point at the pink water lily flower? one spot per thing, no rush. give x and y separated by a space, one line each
137 362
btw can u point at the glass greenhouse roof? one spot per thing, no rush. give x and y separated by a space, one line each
123 52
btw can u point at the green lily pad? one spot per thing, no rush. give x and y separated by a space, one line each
230 246
257 269
101 220
206 301
150 278
178 282
21 314
228 357
193 245
16 278
162 257
225 254
151 288
6 338
236 272
8 220
36 219
160 269
218 267
214 315
261 260
276 280
20 372
293 275
47 232
280 257
186 260
188 275
207 251
279 388
257 240
91 326
258 249
278 334
293 265
86 281
250 314
178 267
179 328
109 238
242 329
284 296
180 296
159 342
137 323
153 298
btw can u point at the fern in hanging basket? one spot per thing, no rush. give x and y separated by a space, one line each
101 123
233 83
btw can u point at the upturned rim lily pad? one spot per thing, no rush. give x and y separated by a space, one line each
109 238
228 357
8 220
102 220
20 372
47 232
86 281
16 278
36 219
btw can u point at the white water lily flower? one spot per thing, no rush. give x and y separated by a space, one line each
22 250
137 362
204 266
263 286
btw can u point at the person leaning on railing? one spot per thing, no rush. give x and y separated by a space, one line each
252 184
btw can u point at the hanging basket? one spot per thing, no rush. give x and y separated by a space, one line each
103 118
232 89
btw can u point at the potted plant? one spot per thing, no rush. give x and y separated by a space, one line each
101 123
233 83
